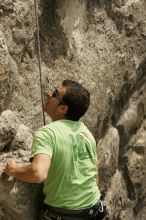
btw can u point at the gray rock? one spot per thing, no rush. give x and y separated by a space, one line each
129 121
16 197
136 162
136 167
7 67
107 154
117 198
126 214
12 206
8 127
22 139
142 214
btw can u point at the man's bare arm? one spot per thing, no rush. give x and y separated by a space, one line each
36 172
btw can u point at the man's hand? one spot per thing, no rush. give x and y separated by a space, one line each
35 172
10 168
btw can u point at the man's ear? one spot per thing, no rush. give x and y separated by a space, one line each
64 109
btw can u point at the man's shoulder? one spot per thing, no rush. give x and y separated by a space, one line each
64 125
45 129
52 126
87 133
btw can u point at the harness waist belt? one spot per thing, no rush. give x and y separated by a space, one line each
89 211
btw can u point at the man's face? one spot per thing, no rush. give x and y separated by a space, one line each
54 105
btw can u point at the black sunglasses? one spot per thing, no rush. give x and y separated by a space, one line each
56 95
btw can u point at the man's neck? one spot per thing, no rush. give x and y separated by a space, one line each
58 118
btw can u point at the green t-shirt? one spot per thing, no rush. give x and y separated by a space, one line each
71 181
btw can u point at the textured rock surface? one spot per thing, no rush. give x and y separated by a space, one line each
8 126
108 152
23 138
7 67
101 44
16 197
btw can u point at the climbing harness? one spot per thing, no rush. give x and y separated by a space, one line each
39 57
96 211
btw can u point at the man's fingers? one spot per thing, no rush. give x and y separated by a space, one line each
4 176
9 167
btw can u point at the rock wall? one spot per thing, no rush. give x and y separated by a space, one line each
101 44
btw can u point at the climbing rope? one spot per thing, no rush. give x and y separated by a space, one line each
39 57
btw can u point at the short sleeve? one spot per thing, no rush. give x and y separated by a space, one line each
43 142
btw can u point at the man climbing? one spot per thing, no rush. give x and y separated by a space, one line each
64 157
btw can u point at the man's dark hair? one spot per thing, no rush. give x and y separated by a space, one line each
77 98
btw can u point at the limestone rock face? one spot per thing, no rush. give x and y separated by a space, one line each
7 67
16 197
101 44
116 197
9 123
23 138
107 154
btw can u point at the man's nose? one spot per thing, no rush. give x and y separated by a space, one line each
49 94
